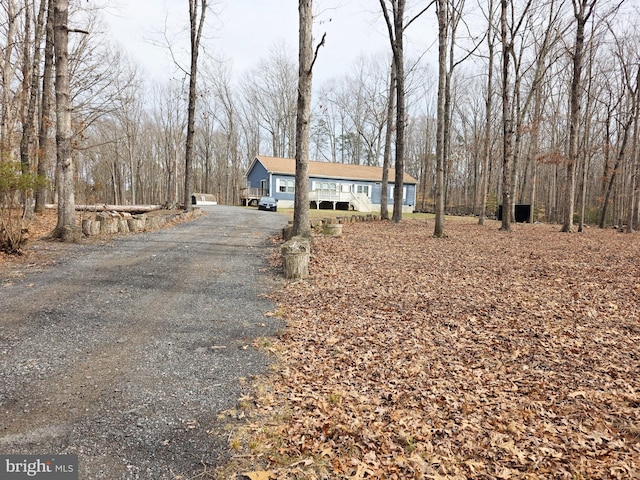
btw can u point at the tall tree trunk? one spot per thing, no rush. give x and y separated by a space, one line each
6 115
632 213
45 108
384 208
582 10
29 121
66 226
400 111
619 159
28 72
535 135
301 224
488 118
395 27
587 132
196 27
507 122
606 168
441 142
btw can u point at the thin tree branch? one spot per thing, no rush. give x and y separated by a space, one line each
387 19
420 13
315 55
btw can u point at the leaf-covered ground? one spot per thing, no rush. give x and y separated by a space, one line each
482 355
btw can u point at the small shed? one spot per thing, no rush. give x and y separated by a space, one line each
203 199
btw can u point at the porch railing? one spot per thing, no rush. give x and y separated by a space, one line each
359 201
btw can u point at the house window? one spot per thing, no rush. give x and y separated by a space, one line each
404 192
263 184
363 189
286 186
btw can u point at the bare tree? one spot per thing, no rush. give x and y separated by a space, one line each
7 108
627 114
306 59
66 228
46 107
128 123
586 148
395 27
384 209
632 211
582 10
197 11
225 114
484 189
31 74
271 92
441 142
170 123
508 32
507 119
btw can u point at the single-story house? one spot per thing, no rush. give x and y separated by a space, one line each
331 185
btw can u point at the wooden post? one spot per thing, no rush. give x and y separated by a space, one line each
295 257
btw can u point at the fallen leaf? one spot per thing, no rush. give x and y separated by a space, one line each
259 475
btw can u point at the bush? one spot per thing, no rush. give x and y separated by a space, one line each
15 188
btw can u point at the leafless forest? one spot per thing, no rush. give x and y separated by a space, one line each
540 98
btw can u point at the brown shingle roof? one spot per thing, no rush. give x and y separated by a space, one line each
330 170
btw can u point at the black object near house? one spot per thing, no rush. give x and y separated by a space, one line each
522 213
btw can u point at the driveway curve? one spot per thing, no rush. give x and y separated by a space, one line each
126 353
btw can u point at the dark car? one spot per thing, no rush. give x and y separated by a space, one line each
268 203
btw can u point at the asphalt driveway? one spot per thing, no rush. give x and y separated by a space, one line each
126 353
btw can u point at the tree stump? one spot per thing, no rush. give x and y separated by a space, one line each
108 225
123 226
287 232
136 224
333 229
90 227
316 224
295 257
71 234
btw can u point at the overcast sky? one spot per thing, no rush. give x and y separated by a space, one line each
244 32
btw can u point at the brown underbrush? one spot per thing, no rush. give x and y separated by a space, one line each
40 250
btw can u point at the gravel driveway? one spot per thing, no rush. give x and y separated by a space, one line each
126 353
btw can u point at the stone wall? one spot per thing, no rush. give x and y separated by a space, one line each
330 225
111 222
